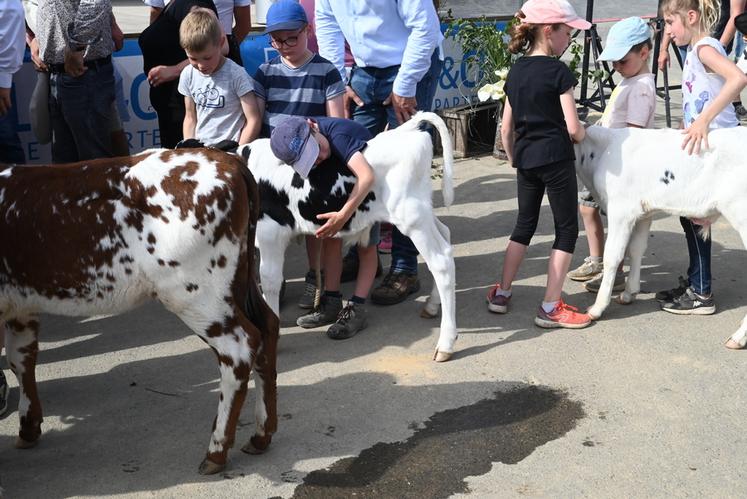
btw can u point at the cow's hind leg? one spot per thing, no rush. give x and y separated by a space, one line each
265 381
235 349
21 347
737 217
438 255
636 249
272 241
619 230
432 304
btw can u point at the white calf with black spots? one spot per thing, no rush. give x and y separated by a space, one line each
101 237
401 159
635 174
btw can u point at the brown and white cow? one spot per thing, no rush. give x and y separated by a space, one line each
103 236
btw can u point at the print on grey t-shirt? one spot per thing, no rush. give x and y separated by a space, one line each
217 99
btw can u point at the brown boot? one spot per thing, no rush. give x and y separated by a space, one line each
395 288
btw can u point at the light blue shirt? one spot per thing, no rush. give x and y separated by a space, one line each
381 33
12 40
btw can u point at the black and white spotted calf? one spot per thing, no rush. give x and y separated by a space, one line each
101 237
401 160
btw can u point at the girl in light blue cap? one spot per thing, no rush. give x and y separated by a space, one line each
631 104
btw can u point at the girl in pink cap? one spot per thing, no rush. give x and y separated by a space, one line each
538 129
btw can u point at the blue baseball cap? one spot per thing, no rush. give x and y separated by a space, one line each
623 36
291 142
285 15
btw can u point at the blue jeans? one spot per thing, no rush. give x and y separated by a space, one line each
373 86
699 251
11 150
80 114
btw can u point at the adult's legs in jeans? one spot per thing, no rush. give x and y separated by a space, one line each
81 113
11 150
699 252
404 253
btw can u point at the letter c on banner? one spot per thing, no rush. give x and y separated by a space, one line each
135 99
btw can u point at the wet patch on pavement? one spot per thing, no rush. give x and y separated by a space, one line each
451 446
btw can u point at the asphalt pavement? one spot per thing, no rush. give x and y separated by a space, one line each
641 404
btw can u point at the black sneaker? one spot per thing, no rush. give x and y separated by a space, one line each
669 295
690 303
309 293
351 319
329 308
4 390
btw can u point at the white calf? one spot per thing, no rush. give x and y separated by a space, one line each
401 160
636 173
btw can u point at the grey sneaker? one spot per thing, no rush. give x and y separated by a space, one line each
593 285
4 390
587 270
329 308
351 319
307 298
690 303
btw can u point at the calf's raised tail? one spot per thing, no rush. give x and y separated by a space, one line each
447 181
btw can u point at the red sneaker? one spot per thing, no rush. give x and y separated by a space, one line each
497 304
563 315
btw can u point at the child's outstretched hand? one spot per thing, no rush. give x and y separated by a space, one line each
335 221
695 134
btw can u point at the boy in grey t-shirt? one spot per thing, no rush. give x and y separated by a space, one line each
218 93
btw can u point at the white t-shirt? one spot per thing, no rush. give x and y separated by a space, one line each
700 88
224 7
632 101
217 100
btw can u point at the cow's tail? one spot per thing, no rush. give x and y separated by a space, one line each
255 307
447 181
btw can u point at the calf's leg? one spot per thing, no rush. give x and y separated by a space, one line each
437 253
21 348
636 249
619 229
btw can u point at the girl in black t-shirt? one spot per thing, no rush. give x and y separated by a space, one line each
538 127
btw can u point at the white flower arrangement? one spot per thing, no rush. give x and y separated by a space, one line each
495 90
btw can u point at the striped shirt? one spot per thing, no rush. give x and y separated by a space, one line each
302 91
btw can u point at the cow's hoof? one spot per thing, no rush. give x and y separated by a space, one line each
427 314
595 313
625 298
440 356
25 444
429 311
257 445
208 467
733 345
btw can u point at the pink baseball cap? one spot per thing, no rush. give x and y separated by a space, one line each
552 12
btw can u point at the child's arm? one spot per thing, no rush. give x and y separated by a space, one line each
735 81
336 219
336 107
190 118
575 128
252 117
507 130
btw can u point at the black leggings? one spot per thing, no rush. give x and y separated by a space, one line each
560 181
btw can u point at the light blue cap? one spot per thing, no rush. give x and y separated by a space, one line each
623 36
